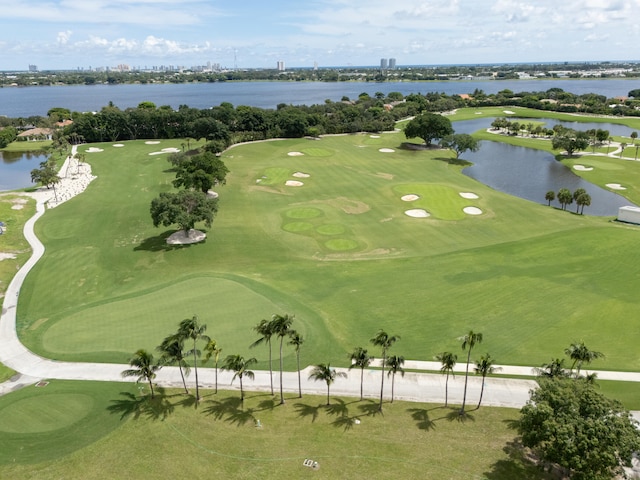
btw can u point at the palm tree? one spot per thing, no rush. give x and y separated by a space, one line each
190 328
582 201
550 196
145 369
172 353
281 325
265 330
484 367
238 364
297 340
579 353
360 358
384 341
395 363
448 361
468 342
212 349
325 373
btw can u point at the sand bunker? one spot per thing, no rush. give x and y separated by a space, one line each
180 238
157 153
616 186
417 213
386 150
374 136
472 211
171 150
301 175
409 198
582 168
7 256
293 183
212 194
117 145
93 150
295 154
152 142
508 112
469 195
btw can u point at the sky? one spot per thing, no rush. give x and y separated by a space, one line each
83 34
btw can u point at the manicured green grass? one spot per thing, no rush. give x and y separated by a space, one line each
28 146
530 278
117 433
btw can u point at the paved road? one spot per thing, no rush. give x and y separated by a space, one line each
424 387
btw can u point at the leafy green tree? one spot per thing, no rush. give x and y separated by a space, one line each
460 143
360 358
46 175
265 330
484 367
428 127
212 350
191 329
447 361
184 208
324 372
550 196
172 353
565 197
241 369
394 363
200 172
469 341
281 328
7 135
580 354
143 367
571 141
296 340
385 341
568 423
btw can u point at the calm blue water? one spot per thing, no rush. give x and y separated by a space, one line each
28 101
15 168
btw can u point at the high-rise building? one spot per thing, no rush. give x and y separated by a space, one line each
392 63
383 63
281 66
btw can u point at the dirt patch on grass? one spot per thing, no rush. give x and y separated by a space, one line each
263 188
351 207
386 176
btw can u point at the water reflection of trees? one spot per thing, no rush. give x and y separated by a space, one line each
31 157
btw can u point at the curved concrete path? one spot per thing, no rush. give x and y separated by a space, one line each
423 387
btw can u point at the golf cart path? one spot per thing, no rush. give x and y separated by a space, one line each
413 386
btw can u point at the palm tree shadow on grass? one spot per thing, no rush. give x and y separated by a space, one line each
305 410
223 408
370 408
158 408
456 416
337 408
421 416
241 417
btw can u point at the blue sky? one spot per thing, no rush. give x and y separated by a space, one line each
58 34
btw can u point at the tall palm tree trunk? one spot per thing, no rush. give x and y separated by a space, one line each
481 392
216 374
299 380
466 378
241 391
393 381
184 382
195 367
270 367
361 382
328 397
382 383
151 387
446 390
281 369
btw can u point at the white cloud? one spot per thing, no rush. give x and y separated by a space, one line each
63 37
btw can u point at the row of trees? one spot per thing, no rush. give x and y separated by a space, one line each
566 198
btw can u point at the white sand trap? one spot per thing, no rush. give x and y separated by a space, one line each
374 136
295 154
582 168
386 150
301 175
478 113
417 213
17 207
118 145
293 183
171 150
469 195
409 198
157 153
93 150
472 211
152 142
212 194
508 112
179 238
7 256
616 186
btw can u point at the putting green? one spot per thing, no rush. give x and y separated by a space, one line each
330 229
341 244
441 201
306 212
124 325
274 176
296 227
45 413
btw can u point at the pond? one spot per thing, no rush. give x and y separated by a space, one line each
15 168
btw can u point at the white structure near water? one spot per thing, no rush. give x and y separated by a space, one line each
629 214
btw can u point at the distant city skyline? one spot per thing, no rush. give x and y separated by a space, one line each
65 34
